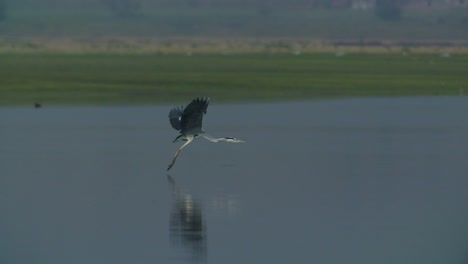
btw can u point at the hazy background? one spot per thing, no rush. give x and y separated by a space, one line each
414 22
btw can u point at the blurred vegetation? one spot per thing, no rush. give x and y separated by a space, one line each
136 79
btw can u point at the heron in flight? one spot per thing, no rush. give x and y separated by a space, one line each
188 121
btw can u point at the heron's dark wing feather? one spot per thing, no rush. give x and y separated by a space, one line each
192 116
174 117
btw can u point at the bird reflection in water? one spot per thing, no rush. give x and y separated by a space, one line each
187 228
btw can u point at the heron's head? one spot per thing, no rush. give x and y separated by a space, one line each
233 140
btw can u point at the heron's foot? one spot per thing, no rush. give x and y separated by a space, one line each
170 166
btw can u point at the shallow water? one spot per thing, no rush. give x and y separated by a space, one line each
338 181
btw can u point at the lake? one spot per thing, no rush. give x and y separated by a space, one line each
371 180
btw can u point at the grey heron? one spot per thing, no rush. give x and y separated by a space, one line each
188 121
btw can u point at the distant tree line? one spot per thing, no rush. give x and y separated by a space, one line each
389 9
3 9
123 8
385 9
289 4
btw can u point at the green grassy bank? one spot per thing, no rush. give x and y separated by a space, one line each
132 79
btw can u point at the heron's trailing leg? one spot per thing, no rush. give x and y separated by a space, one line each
189 139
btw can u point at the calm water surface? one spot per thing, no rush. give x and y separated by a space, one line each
339 181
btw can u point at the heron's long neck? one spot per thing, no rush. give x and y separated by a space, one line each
225 139
212 139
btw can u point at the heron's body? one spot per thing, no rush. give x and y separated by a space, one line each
188 121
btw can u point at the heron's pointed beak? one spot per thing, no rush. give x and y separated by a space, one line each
233 140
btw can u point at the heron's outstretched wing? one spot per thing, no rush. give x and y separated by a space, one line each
174 117
192 116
